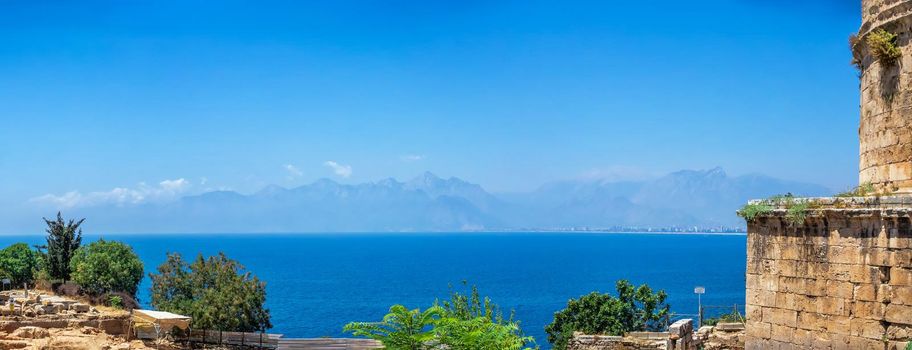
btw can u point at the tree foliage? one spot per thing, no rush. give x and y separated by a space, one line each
106 266
634 309
19 263
63 238
401 328
464 322
215 291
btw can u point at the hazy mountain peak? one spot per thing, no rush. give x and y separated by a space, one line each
271 189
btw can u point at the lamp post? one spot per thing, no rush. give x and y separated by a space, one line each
699 291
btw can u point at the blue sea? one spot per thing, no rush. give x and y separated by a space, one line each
316 283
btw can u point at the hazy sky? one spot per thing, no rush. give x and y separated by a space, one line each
508 94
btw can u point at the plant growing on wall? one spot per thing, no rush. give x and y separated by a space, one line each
856 52
883 46
865 189
751 211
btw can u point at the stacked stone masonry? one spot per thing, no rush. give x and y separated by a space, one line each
885 132
841 280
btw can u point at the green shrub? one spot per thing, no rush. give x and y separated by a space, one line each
115 302
883 46
106 266
634 309
464 322
19 263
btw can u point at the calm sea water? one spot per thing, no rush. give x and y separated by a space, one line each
317 283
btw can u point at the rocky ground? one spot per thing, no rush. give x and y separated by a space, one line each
39 320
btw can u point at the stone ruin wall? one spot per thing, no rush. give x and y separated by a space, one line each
885 131
842 280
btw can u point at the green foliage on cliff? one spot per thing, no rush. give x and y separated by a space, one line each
215 291
106 266
634 309
63 238
464 322
883 46
19 263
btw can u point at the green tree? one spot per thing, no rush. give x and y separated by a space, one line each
464 322
106 266
63 238
634 309
19 263
471 322
401 328
215 291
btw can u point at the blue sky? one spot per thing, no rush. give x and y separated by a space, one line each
508 94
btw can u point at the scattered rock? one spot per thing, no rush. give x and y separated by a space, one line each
31 332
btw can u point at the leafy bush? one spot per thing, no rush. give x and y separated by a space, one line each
115 302
472 322
19 263
883 46
634 309
106 266
465 322
216 292
401 328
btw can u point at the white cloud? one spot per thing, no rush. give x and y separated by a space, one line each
339 169
203 180
293 170
166 190
411 157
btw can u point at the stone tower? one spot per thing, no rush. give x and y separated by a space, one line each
836 273
885 132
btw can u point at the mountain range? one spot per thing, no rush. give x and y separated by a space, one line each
688 198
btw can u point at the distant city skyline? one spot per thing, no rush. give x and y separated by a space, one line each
139 101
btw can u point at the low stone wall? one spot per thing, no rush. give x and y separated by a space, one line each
680 336
840 279
20 308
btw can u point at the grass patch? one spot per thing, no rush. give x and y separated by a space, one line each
751 211
796 210
863 190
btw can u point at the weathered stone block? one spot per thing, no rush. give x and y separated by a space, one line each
782 317
870 310
840 289
901 295
896 313
781 333
867 328
900 276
